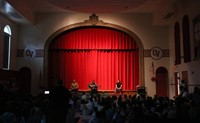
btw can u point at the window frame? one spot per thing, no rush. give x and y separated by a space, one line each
7 47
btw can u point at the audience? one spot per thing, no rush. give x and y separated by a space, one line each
100 109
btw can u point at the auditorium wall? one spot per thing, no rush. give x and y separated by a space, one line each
142 25
34 36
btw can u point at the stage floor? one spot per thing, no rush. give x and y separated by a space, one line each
108 93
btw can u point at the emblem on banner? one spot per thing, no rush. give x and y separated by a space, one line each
29 53
156 53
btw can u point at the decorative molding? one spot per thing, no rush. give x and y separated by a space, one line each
165 53
147 53
93 19
38 53
156 54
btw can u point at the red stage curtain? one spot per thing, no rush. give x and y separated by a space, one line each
94 53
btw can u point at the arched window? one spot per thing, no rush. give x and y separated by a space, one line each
177 43
186 39
196 29
7 44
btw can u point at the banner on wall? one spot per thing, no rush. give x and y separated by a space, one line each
29 53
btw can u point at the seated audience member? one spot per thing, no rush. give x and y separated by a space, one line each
84 97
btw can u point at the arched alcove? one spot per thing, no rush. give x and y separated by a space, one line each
25 80
162 82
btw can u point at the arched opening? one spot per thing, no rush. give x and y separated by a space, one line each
186 39
94 52
6 48
162 82
177 44
25 80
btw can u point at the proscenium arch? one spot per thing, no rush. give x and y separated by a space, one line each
90 23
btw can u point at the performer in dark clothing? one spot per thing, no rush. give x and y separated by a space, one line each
93 87
58 103
118 86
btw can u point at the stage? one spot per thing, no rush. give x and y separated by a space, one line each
108 93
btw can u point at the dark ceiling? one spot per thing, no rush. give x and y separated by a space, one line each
24 11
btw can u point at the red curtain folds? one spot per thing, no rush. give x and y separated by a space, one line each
94 53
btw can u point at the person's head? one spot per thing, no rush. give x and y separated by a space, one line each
74 81
196 89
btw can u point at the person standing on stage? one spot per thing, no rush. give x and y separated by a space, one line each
118 86
74 87
93 87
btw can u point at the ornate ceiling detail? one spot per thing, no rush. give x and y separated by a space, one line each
93 19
